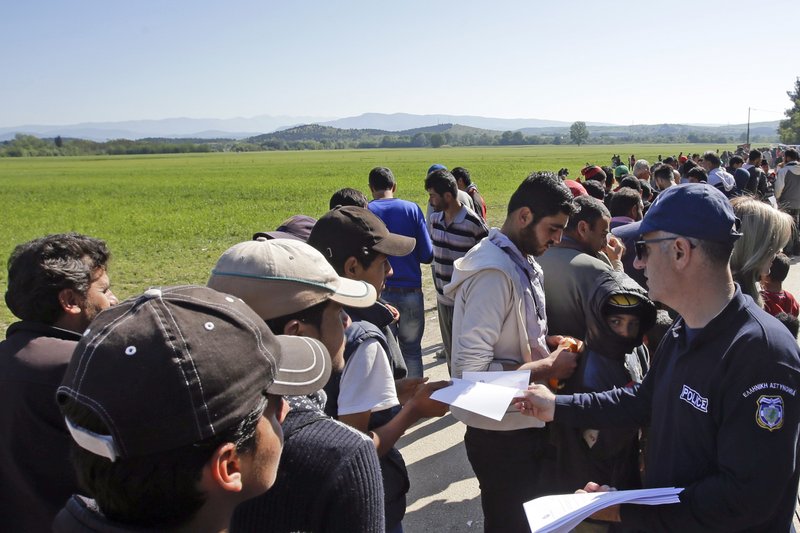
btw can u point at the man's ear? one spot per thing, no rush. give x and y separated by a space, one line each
583 227
296 328
71 301
224 468
394 187
351 266
524 215
292 328
681 250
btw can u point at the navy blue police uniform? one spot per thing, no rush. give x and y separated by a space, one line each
724 413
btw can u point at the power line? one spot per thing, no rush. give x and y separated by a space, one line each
767 110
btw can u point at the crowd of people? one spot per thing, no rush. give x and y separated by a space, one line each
645 302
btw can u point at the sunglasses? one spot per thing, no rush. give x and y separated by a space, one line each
640 247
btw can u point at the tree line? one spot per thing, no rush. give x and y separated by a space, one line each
30 146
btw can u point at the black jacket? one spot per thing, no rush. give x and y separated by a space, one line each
609 456
37 477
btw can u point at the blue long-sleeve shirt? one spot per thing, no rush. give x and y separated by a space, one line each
405 218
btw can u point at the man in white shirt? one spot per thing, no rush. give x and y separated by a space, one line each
365 395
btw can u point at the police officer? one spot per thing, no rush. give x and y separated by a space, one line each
722 395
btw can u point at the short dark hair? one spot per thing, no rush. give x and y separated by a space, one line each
699 173
623 201
686 167
609 176
736 159
441 181
646 189
712 158
544 194
718 253
155 491
591 209
779 268
345 250
594 188
461 173
39 269
310 315
631 182
348 196
381 179
791 322
664 173
754 155
792 154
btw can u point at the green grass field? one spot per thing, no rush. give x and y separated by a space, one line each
168 218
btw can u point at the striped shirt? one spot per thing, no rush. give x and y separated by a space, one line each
451 241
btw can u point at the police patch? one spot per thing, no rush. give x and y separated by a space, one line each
769 412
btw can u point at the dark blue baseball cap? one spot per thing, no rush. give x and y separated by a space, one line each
694 210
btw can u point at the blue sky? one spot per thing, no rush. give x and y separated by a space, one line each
620 62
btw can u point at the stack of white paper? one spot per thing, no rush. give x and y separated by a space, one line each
562 512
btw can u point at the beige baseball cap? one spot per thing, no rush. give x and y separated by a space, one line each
279 277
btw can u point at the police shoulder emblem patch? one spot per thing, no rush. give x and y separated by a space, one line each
769 412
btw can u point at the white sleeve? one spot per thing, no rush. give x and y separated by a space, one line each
367 382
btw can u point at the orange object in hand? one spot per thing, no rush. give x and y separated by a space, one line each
571 345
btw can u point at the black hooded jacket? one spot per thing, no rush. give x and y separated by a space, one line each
608 456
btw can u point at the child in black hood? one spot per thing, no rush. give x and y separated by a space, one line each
618 315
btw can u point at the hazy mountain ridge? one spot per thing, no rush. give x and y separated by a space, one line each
397 122
386 124
233 128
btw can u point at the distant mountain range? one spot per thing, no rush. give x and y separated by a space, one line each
241 128
404 121
199 128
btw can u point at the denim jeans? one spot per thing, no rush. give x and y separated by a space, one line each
446 329
410 327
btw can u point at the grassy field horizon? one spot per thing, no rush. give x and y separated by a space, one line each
167 218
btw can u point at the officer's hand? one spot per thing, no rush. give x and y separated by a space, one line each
609 514
537 401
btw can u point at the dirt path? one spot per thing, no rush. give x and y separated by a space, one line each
444 493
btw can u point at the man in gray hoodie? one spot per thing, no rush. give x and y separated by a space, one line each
500 323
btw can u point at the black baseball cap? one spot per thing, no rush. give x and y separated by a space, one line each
179 365
297 227
345 231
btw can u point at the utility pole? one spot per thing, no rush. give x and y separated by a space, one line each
748 128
